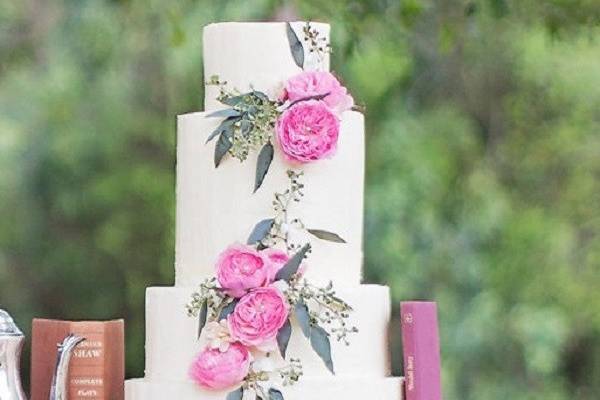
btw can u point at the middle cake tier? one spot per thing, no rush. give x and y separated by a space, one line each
171 336
217 207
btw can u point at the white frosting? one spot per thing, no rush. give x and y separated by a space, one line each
216 207
356 388
252 55
171 341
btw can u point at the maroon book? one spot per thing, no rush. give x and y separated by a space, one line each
97 368
421 344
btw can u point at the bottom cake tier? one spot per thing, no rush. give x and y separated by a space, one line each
307 389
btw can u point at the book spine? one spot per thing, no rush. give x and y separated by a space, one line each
86 375
409 346
420 335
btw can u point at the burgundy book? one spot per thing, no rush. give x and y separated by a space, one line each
421 343
97 368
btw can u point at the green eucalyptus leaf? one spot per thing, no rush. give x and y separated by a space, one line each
325 235
275 394
319 340
215 133
223 145
228 309
260 231
226 125
295 46
226 113
236 395
202 316
283 337
234 100
291 267
262 164
303 318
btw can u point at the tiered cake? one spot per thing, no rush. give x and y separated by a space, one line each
216 207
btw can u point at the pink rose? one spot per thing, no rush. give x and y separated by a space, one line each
241 268
216 370
314 83
308 131
258 317
277 258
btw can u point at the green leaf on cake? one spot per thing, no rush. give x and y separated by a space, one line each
295 46
262 164
234 100
236 395
226 113
291 267
303 318
202 315
223 145
319 340
325 235
228 309
226 125
260 231
283 337
275 394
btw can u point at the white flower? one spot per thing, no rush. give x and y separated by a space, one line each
216 335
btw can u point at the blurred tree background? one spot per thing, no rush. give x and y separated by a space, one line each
483 122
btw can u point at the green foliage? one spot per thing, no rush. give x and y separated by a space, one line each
483 185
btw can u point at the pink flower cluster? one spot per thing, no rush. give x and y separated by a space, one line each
245 274
309 129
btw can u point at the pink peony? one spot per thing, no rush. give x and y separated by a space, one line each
308 131
241 268
258 317
314 83
216 370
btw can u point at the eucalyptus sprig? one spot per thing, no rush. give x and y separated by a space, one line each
291 373
255 381
272 231
248 124
208 294
316 43
311 39
209 303
325 308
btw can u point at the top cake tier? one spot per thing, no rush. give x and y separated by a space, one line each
255 55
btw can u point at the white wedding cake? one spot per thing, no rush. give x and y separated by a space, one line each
219 206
